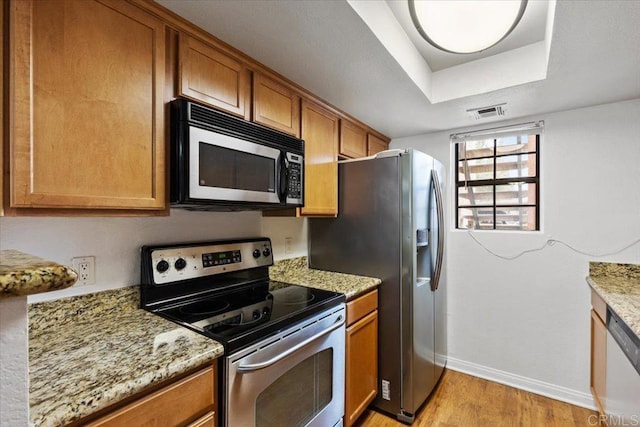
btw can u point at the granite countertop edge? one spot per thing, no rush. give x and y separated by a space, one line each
619 286
296 271
23 274
76 369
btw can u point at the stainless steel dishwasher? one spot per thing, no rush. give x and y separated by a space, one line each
622 396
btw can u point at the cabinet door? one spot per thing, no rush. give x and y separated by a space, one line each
208 75
598 360
320 133
275 105
175 404
353 140
375 145
87 126
361 377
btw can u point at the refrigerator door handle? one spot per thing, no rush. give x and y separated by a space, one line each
435 279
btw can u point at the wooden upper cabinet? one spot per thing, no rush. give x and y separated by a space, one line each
375 144
275 105
320 129
353 140
208 75
87 125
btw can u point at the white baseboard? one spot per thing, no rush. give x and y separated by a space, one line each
552 391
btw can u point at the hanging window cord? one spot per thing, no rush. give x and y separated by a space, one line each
550 242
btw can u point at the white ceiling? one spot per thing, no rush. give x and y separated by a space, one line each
326 47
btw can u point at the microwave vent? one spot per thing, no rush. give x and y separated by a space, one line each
487 112
241 128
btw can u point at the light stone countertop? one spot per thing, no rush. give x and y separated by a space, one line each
23 274
297 272
90 351
619 287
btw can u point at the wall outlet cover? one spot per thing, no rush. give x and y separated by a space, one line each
86 269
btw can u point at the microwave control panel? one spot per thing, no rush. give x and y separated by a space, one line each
295 182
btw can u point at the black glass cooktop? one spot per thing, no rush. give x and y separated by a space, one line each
252 312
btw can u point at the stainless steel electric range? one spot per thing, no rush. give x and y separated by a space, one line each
283 343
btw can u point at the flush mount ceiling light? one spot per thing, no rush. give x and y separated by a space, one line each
465 26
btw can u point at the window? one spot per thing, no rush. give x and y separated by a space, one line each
497 181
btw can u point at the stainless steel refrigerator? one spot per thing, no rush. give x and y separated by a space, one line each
390 225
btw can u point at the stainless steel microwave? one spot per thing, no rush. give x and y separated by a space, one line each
220 162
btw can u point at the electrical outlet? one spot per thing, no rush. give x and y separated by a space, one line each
288 242
86 269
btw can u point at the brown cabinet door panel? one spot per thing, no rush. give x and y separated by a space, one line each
598 360
211 77
361 377
175 404
353 140
275 105
87 129
320 132
375 145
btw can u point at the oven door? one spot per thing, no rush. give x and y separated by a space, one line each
295 378
225 168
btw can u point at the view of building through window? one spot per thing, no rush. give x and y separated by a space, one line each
497 183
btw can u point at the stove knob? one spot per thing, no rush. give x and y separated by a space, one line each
266 312
256 253
266 252
180 264
162 266
256 314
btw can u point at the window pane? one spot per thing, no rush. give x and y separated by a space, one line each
523 165
516 218
476 218
516 194
473 170
475 149
516 144
475 196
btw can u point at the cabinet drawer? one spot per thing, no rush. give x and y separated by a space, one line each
361 306
176 404
599 306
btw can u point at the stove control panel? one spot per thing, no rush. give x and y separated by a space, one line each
176 263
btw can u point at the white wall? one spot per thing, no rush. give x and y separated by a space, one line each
526 322
280 229
116 242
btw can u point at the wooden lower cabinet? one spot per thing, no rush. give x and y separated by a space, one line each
190 401
361 360
598 351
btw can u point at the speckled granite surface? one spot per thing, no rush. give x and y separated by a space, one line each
619 286
90 351
296 271
23 274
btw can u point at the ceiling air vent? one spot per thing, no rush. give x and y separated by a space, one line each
486 112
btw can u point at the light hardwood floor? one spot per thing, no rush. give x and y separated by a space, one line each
464 400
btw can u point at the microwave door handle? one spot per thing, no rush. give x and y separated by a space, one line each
282 175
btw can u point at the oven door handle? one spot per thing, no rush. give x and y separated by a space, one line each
257 366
